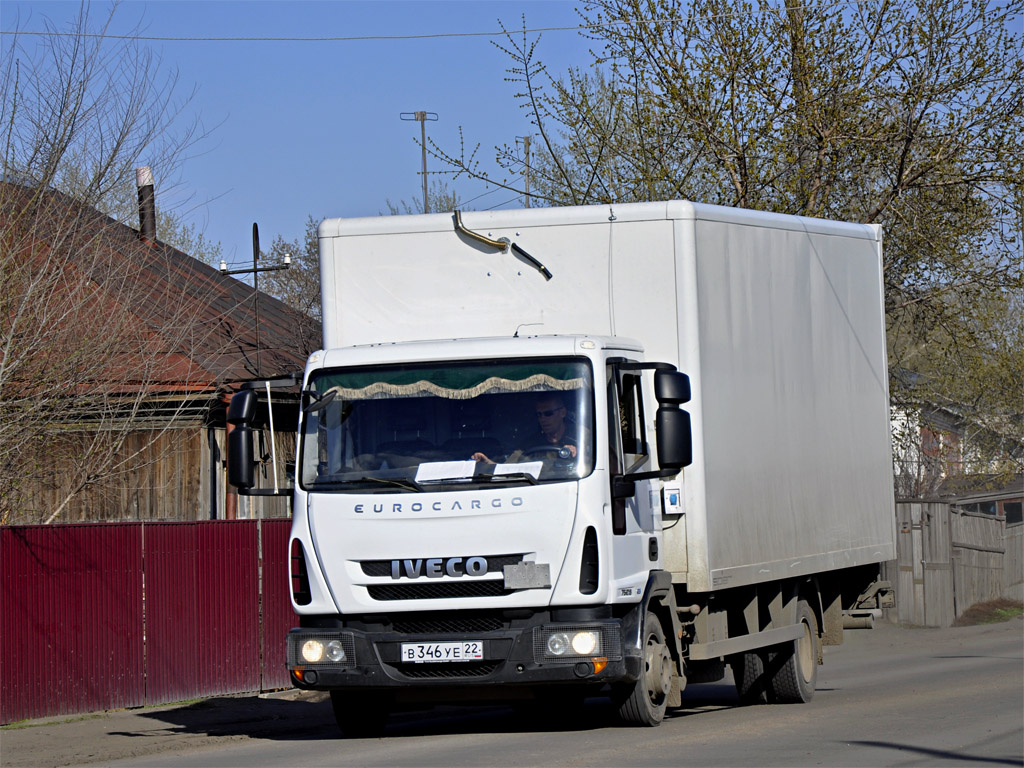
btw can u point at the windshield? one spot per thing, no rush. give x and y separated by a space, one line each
407 427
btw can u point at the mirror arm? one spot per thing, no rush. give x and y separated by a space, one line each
624 486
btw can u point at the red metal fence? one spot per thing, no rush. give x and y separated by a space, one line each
109 615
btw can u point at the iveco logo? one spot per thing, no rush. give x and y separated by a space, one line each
436 567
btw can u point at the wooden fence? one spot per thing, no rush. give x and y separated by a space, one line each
949 560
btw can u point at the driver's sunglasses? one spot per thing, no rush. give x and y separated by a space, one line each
548 414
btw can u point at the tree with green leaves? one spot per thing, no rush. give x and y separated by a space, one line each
903 113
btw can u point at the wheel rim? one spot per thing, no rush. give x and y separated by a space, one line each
658 671
805 654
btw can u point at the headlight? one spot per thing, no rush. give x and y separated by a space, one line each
558 644
574 642
312 651
313 648
584 643
335 651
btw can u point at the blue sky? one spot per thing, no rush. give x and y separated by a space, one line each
313 127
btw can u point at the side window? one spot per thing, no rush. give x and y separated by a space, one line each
626 398
614 424
631 414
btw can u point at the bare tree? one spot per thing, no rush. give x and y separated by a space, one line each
298 286
439 196
92 355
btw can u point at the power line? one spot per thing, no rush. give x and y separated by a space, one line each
427 36
332 39
483 194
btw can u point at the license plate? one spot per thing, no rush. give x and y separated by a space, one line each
432 653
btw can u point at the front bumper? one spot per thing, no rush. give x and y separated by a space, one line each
512 656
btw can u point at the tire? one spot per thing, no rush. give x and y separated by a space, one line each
361 714
748 670
645 702
795 667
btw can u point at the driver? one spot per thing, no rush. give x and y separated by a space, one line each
551 412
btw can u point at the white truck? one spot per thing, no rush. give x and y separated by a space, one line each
602 450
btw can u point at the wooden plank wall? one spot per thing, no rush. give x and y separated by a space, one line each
948 560
924 583
939 606
1013 562
159 479
978 558
176 474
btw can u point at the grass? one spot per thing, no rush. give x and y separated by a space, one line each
990 612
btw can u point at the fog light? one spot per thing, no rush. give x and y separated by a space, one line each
584 643
335 652
558 644
312 651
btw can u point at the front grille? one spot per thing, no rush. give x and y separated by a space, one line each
448 671
495 564
449 626
438 590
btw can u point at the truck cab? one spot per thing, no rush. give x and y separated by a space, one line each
478 512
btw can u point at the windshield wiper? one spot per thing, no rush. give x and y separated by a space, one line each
480 477
506 476
405 484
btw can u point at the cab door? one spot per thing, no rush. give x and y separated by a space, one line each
634 522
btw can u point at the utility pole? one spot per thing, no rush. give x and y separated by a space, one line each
421 118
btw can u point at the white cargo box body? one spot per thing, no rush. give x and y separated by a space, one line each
778 321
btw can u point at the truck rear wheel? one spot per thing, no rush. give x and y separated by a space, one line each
797 673
748 673
361 714
645 702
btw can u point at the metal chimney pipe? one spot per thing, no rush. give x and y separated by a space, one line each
147 204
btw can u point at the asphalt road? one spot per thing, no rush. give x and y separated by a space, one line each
887 697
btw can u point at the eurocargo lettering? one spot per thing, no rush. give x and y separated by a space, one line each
548 454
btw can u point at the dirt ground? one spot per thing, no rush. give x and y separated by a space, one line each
123 734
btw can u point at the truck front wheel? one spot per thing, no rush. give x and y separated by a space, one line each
644 702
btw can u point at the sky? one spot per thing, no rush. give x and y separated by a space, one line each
303 128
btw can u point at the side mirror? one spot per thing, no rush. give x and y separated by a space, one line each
671 387
241 468
675 438
675 434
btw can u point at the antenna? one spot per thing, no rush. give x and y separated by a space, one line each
422 118
255 271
